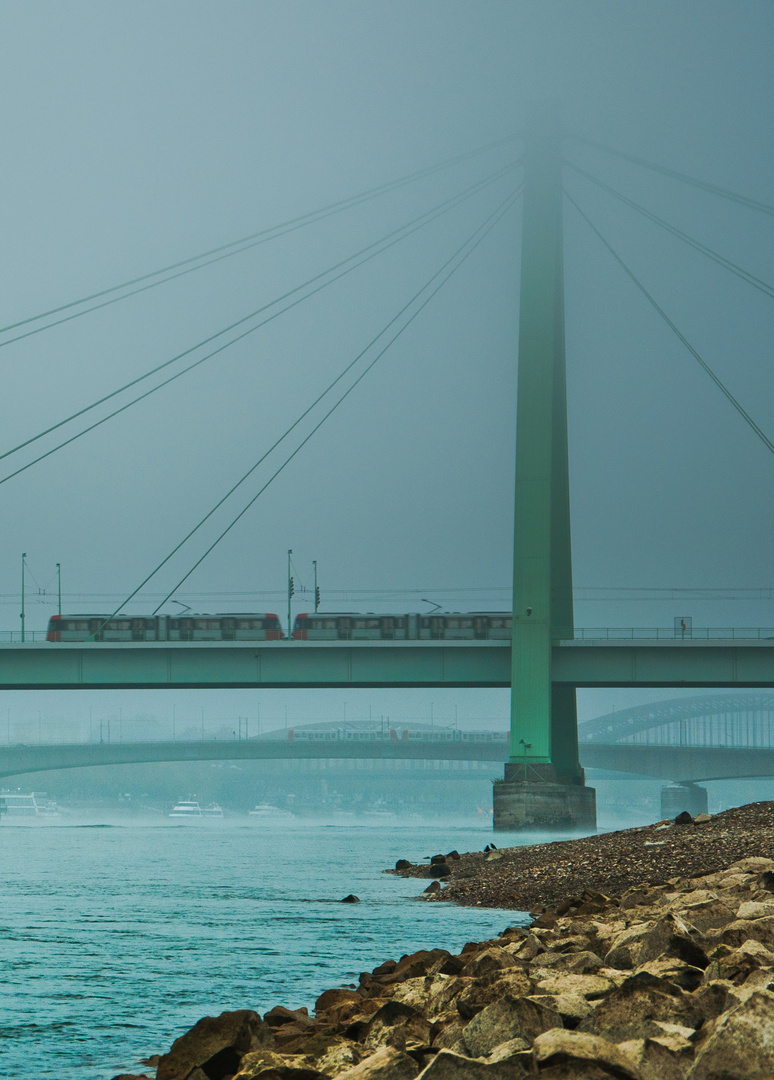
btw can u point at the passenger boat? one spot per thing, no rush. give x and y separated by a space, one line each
28 806
267 812
190 810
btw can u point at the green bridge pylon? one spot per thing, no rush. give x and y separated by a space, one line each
544 732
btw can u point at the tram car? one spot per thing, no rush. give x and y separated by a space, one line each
440 626
228 627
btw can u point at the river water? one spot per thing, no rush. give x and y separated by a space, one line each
116 939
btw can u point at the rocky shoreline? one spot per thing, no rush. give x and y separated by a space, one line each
532 877
671 977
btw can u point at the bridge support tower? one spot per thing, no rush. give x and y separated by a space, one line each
544 785
675 798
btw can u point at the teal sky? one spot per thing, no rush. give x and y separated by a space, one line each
138 135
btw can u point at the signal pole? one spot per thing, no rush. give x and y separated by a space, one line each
316 590
291 590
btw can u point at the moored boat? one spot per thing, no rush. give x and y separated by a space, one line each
28 806
190 810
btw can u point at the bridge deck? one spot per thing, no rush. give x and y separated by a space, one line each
321 664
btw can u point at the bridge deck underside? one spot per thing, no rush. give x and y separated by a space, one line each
315 665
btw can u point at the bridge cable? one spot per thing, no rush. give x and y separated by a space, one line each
767 442
460 255
244 244
472 244
744 200
362 256
740 272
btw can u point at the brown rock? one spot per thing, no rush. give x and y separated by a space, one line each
672 936
475 996
484 963
624 1013
385 1064
578 1047
742 1043
329 998
508 1018
278 1016
216 1044
397 1025
447 1065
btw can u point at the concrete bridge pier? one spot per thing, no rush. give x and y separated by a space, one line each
534 798
683 796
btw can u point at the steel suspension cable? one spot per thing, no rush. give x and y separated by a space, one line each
234 247
726 193
357 260
448 269
740 272
767 442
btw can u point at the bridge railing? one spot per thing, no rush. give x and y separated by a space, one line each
7 636
669 633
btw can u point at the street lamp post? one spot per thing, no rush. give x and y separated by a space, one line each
24 557
59 586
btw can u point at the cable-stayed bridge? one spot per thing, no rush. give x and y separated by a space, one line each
546 660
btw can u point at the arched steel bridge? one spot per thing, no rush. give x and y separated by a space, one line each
706 737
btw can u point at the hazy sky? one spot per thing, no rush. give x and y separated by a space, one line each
138 135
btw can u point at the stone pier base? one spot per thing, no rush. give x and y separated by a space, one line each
678 797
542 801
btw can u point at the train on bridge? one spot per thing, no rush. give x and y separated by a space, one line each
251 626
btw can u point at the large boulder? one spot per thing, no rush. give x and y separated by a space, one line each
580 1049
672 936
742 1043
386 1064
397 1025
215 1045
626 1012
508 1018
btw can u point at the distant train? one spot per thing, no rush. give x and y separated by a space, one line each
338 626
230 627
440 626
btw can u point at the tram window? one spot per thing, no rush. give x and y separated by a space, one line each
453 624
359 624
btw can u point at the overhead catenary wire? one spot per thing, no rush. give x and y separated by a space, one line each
356 260
234 247
715 189
767 442
740 272
448 269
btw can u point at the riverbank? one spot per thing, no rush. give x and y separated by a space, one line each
540 875
665 980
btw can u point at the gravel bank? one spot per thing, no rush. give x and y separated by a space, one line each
541 875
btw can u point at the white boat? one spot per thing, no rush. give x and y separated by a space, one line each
190 810
267 812
28 806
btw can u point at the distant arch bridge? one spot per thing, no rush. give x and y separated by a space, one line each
703 737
